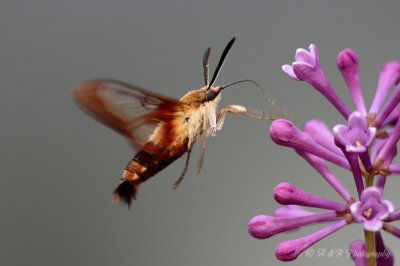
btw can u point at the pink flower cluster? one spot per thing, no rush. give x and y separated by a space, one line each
365 146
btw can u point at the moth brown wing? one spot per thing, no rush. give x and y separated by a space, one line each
132 111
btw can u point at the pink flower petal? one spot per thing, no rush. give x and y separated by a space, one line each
314 54
303 55
288 69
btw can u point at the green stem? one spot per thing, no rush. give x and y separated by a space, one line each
369 180
370 247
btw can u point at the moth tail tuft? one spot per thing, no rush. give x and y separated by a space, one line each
125 192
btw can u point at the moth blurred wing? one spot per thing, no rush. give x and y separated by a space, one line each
132 111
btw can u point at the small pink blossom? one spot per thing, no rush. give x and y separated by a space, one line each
371 210
356 137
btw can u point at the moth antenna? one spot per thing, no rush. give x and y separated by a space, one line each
221 61
205 65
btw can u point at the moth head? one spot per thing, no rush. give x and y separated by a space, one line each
212 94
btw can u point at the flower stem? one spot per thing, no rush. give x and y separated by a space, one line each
369 180
370 247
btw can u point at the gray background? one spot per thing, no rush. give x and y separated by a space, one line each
59 166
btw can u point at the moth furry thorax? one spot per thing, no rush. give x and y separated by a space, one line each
200 114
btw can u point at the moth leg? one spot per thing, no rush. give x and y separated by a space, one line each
177 182
237 109
203 154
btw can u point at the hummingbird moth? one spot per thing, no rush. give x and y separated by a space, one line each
161 128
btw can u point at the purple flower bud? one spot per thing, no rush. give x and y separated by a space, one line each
389 76
355 170
264 226
392 229
371 210
291 211
392 118
387 148
384 255
285 133
394 216
307 68
378 145
323 170
381 179
357 253
390 105
347 62
394 169
318 130
286 193
290 249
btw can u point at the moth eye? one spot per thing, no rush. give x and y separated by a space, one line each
210 95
